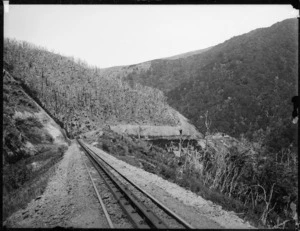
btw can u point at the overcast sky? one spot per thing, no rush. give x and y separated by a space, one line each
111 35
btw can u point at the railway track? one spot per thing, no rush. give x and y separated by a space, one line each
141 209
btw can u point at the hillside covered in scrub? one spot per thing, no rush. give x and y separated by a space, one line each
249 80
245 83
78 96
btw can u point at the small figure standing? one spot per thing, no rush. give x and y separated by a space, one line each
295 113
180 142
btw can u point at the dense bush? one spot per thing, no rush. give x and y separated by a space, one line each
241 83
244 177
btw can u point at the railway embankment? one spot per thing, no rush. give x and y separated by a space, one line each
199 212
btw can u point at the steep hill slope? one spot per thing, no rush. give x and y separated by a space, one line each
25 124
245 83
78 96
150 74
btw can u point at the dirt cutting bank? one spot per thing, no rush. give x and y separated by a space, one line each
167 132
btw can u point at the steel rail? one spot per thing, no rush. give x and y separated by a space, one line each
130 211
151 219
157 202
100 200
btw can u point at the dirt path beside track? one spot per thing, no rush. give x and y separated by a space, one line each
68 201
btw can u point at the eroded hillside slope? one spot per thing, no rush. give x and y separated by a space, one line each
32 143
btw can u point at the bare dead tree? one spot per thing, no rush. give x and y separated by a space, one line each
267 201
207 123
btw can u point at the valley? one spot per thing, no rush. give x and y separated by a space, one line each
208 133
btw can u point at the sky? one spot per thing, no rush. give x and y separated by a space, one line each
113 35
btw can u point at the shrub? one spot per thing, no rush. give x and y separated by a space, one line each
12 149
29 122
35 136
15 176
49 138
167 172
105 147
62 149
